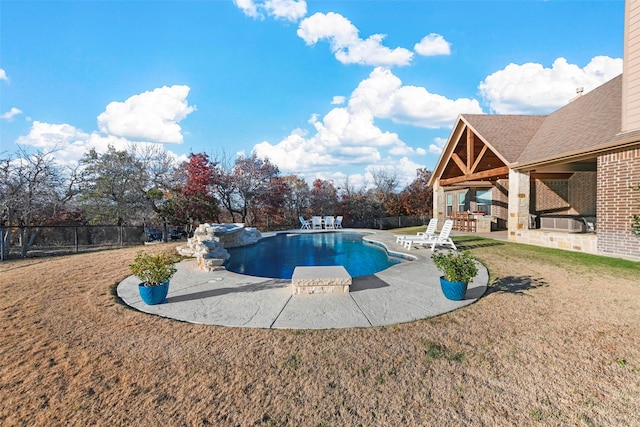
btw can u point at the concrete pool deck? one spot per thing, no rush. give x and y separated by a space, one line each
402 293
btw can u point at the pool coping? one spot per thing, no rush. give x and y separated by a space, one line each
402 293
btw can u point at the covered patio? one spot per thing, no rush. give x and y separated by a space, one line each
534 176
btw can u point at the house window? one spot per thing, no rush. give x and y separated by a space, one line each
449 204
462 198
483 201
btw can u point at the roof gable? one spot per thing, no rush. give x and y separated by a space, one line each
586 125
507 135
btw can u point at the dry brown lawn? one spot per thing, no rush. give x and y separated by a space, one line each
550 344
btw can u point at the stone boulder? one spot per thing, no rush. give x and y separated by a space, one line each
210 240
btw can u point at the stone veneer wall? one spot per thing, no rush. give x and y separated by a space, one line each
617 202
580 242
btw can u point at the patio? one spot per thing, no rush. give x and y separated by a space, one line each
402 293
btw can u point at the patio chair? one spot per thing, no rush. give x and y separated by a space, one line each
305 224
329 223
441 239
316 222
338 223
430 231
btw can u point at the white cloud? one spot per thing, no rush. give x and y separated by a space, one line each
248 7
383 94
437 146
404 170
150 116
70 144
3 75
432 45
347 45
340 139
291 10
338 100
405 150
9 115
348 136
532 89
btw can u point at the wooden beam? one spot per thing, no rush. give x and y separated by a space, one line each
460 163
469 148
492 173
475 164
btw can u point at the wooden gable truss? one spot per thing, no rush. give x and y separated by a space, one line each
471 159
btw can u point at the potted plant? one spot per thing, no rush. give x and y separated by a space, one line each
458 269
155 272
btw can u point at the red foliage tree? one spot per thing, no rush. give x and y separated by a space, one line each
417 198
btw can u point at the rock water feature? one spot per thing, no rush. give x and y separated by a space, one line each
210 240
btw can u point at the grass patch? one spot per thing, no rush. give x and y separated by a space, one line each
293 362
487 248
436 351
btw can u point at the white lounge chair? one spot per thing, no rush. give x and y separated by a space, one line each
316 222
338 223
329 223
430 231
305 224
441 239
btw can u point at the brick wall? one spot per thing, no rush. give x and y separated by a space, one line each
573 196
583 193
617 202
550 195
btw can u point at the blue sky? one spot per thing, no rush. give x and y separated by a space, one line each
329 89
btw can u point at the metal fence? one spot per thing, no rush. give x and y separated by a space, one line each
65 239
387 223
59 240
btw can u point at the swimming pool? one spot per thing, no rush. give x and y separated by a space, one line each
276 257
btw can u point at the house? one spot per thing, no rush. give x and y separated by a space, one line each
562 180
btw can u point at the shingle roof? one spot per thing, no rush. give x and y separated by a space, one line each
581 126
507 135
588 124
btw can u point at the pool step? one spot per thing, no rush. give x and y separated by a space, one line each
320 280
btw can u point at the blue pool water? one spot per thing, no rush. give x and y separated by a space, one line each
276 257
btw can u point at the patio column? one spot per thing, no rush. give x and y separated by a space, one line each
519 196
439 208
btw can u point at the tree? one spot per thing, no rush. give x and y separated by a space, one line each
248 188
125 186
193 200
323 198
110 187
33 188
296 201
417 197
385 184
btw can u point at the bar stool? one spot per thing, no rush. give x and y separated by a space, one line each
472 223
464 221
455 216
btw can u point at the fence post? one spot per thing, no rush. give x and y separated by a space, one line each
75 238
2 242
